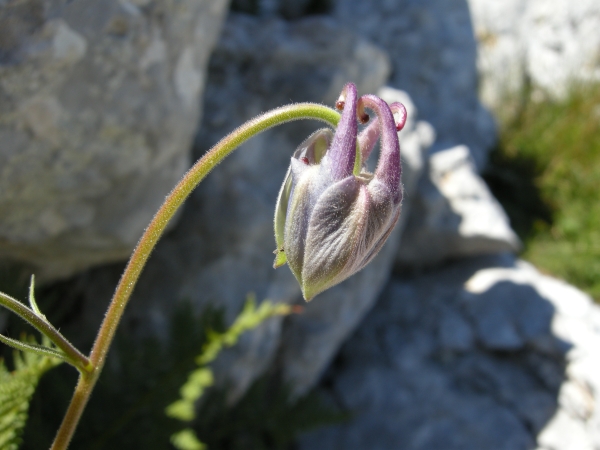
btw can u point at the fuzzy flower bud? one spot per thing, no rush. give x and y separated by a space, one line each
333 216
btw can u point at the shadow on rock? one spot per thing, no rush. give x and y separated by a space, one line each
485 353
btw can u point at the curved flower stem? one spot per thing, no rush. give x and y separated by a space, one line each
151 235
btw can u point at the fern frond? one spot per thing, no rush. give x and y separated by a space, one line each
16 389
201 378
186 440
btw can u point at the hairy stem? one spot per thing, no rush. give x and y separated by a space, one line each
154 231
72 355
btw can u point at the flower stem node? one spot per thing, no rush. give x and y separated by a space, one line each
332 215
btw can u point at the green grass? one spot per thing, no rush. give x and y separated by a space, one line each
546 173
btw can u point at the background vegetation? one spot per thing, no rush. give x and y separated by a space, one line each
546 173
140 380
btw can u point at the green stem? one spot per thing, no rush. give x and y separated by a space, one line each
154 231
34 348
72 355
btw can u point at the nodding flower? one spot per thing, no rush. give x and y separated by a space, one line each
333 216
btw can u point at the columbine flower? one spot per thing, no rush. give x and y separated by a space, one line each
332 216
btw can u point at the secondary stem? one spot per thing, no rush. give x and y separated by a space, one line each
44 327
151 236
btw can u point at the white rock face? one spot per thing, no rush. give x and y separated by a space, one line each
453 214
550 43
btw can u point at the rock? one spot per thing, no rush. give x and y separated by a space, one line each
473 355
501 53
311 339
454 214
565 432
539 44
433 54
455 332
99 102
295 9
222 247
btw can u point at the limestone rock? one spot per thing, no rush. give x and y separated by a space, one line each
454 214
485 353
547 44
99 102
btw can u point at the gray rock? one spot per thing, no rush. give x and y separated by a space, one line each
501 52
221 248
293 10
99 102
454 214
433 55
506 316
425 371
547 44
312 338
455 332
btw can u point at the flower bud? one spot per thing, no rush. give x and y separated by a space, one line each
333 216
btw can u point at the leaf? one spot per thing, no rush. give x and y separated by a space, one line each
202 377
32 302
16 389
186 440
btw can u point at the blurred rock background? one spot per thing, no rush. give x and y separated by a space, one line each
447 340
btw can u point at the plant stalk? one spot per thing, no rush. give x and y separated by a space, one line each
73 355
152 234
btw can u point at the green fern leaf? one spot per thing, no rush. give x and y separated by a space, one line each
16 389
201 378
